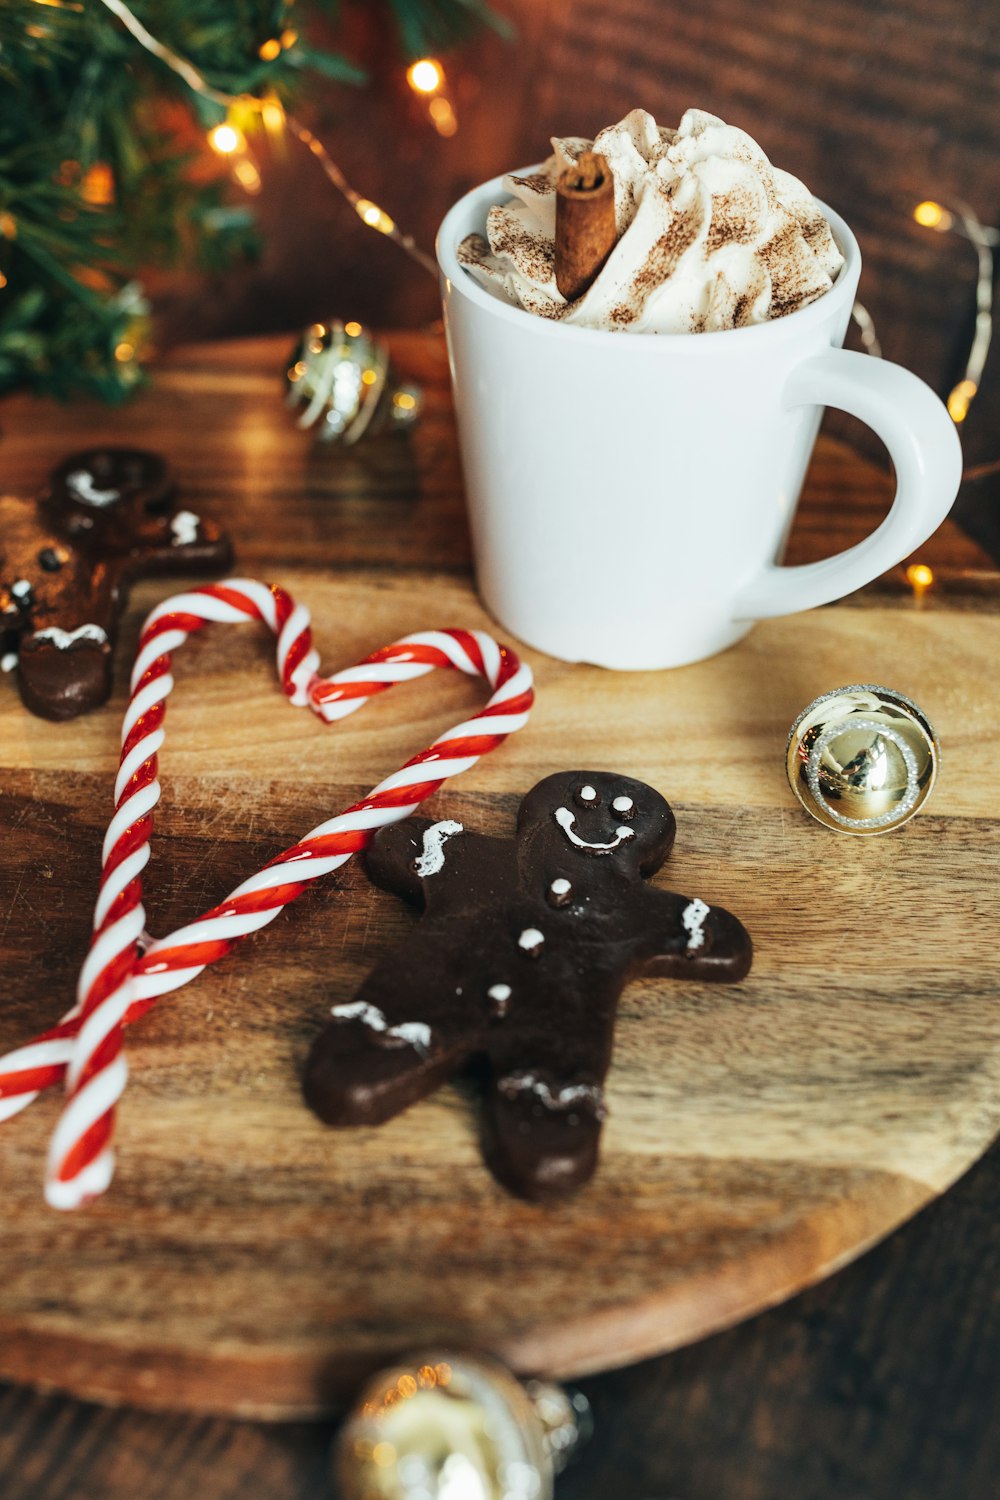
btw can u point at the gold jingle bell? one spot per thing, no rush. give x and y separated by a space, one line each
340 382
862 759
443 1425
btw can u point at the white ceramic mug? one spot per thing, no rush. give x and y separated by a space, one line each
630 495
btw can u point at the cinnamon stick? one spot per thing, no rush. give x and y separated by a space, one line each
585 223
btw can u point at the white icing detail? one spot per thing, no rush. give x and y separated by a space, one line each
560 1100
587 794
415 1032
8 662
21 589
531 939
499 992
62 639
431 860
82 485
184 528
623 804
566 819
693 916
560 887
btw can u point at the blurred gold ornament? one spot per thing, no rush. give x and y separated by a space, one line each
862 759
453 1426
341 383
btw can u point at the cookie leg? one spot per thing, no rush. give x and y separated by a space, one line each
541 1138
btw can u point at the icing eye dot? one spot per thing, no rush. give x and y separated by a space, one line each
624 807
559 892
587 796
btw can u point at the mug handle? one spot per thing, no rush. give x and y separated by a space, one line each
925 450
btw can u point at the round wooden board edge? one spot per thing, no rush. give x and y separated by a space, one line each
277 1388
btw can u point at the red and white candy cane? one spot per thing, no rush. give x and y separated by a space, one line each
121 978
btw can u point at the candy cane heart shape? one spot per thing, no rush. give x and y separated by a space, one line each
124 973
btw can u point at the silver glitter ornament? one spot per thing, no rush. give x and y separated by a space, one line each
862 759
341 383
453 1426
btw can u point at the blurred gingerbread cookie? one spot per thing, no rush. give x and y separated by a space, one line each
108 518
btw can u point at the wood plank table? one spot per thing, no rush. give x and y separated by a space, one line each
851 1079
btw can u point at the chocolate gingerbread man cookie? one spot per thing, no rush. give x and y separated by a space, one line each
523 952
108 518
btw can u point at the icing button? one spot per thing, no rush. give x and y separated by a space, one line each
499 998
531 941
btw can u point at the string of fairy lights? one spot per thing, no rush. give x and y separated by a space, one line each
962 220
229 138
426 77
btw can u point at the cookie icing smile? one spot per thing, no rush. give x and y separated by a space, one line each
566 819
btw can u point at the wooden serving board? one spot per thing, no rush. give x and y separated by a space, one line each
247 1259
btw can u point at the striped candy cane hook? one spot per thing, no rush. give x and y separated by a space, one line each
121 979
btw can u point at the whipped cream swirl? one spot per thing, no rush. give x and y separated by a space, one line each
710 235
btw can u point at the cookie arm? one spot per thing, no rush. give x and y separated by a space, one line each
683 937
390 857
437 865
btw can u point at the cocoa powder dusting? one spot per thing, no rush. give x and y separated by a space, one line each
539 182
659 265
741 309
796 280
744 305
532 254
813 227
622 315
473 249
735 219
